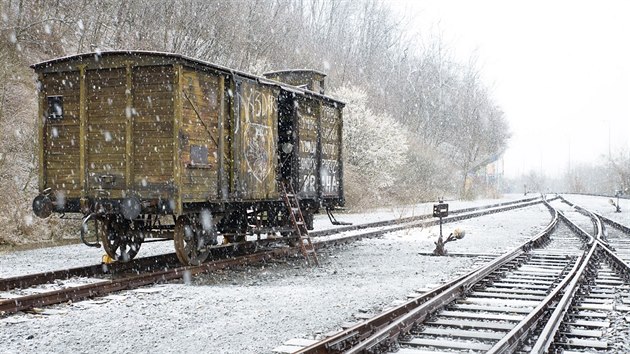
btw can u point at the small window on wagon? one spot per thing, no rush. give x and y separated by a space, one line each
55 107
199 155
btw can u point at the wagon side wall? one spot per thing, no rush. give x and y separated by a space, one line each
308 123
201 140
106 135
59 137
152 113
331 168
254 141
117 122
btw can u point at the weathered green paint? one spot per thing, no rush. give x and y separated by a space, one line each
221 185
82 130
158 109
129 129
177 150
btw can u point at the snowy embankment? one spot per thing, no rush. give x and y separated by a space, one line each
77 255
602 206
254 309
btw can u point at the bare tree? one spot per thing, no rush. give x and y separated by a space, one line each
410 84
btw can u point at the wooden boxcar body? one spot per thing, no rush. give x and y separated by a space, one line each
127 136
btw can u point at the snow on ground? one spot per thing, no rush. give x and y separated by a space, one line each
602 206
322 222
255 309
70 256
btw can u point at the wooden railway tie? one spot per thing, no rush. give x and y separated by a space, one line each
297 220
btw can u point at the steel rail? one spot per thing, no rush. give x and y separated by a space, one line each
625 196
147 263
558 298
548 333
514 338
390 325
515 203
617 263
597 223
97 289
616 225
137 265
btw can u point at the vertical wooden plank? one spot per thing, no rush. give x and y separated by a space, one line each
177 153
82 130
129 129
221 187
235 140
41 126
319 154
297 127
272 121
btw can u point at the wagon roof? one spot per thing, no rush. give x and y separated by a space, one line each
174 56
294 70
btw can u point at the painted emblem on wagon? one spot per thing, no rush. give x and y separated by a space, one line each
257 150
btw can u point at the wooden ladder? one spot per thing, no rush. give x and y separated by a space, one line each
297 219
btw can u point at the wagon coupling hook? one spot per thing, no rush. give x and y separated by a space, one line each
84 228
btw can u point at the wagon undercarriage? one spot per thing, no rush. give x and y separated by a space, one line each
157 146
194 234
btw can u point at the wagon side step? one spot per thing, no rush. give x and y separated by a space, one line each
299 225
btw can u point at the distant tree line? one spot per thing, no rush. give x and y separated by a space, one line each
418 121
609 176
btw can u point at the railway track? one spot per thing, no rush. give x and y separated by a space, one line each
149 270
553 292
617 236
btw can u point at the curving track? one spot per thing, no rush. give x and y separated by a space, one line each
565 289
149 270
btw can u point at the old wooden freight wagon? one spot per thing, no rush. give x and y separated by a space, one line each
129 136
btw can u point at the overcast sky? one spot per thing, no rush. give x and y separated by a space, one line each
559 69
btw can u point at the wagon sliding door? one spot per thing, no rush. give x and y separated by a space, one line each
308 152
330 169
106 131
255 139
319 153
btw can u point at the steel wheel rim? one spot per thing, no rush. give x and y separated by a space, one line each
186 242
120 243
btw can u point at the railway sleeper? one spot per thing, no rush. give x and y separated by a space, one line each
427 344
583 343
502 309
471 324
460 333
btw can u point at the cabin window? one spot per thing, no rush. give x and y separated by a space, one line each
55 107
198 155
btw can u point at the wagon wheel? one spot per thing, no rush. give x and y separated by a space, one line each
120 242
187 239
244 246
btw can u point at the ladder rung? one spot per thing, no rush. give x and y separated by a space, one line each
295 213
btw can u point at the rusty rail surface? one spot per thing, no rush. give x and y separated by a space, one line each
391 324
600 248
9 306
383 330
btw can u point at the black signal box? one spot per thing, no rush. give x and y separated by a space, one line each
440 210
